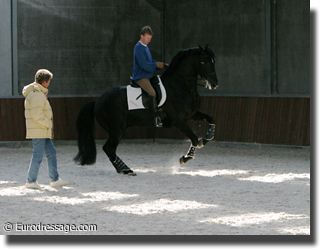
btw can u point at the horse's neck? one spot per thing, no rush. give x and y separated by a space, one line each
184 76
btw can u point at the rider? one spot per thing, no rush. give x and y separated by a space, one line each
143 68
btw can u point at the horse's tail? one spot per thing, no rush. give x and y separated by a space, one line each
85 125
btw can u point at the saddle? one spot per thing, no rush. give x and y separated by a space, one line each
144 95
137 98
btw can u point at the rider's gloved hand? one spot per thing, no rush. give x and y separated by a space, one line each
160 65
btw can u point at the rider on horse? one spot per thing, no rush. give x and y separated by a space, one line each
143 68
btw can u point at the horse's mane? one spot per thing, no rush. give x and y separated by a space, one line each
178 58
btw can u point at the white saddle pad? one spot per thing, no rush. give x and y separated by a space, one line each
134 96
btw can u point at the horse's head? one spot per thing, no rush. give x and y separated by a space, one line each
207 69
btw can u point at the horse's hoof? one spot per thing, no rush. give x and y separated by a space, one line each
128 172
181 161
201 143
132 174
184 159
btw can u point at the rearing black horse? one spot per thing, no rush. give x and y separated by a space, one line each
181 105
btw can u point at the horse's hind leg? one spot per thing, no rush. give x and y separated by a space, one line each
110 148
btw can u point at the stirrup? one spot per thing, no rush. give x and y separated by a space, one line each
157 122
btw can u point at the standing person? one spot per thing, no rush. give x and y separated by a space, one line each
39 124
143 68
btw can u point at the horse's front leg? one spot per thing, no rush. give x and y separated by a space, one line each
199 116
184 127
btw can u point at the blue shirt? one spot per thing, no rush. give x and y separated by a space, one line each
143 64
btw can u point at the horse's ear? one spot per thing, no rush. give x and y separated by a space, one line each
201 49
207 46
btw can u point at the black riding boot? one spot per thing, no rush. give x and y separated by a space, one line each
154 109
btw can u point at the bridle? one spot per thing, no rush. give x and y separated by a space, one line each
203 75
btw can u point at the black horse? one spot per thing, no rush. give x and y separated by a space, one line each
181 105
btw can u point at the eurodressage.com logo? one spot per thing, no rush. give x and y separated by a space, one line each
40 227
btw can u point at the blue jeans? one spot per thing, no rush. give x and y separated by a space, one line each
41 146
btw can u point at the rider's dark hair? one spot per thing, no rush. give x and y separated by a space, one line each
146 30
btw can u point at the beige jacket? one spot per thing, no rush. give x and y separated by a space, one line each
38 112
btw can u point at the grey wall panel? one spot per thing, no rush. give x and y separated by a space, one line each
235 30
88 45
293 47
5 49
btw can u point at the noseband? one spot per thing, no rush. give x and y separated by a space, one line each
203 75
